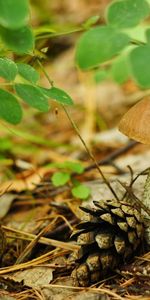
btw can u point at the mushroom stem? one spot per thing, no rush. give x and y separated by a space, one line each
146 194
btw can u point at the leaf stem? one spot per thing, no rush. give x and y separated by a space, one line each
45 73
6 83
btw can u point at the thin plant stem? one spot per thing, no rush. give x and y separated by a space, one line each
89 152
45 73
80 137
6 83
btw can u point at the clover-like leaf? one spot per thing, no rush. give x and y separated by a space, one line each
81 191
60 178
33 96
127 13
74 166
119 70
139 65
10 109
8 69
14 13
20 40
98 45
58 95
28 72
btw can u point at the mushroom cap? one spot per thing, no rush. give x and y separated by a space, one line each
136 122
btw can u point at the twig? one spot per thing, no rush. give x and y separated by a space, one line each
31 263
88 289
113 155
42 240
135 198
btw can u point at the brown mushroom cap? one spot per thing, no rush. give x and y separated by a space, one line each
136 122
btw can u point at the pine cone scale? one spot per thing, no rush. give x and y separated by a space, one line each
111 235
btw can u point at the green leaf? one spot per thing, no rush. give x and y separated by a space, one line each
20 40
137 33
91 21
58 95
6 144
70 166
75 167
139 65
60 178
81 191
127 13
119 70
33 96
28 72
14 13
148 35
10 109
99 45
101 75
8 69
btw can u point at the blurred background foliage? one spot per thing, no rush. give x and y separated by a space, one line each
42 138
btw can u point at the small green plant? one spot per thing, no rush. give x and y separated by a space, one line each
60 178
120 49
20 80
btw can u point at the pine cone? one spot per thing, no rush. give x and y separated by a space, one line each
111 235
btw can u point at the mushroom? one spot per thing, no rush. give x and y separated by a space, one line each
136 125
136 122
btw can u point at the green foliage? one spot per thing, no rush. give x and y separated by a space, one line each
81 191
107 46
14 32
119 70
127 13
148 36
14 13
16 36
74 166
29 91
101 75
64 176
103 46
91 21
59 95
8 69
20 40
139 64
98 45
5 144
10 109
70 166
33 96
60 178
28 72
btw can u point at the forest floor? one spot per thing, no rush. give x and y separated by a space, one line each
37 217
